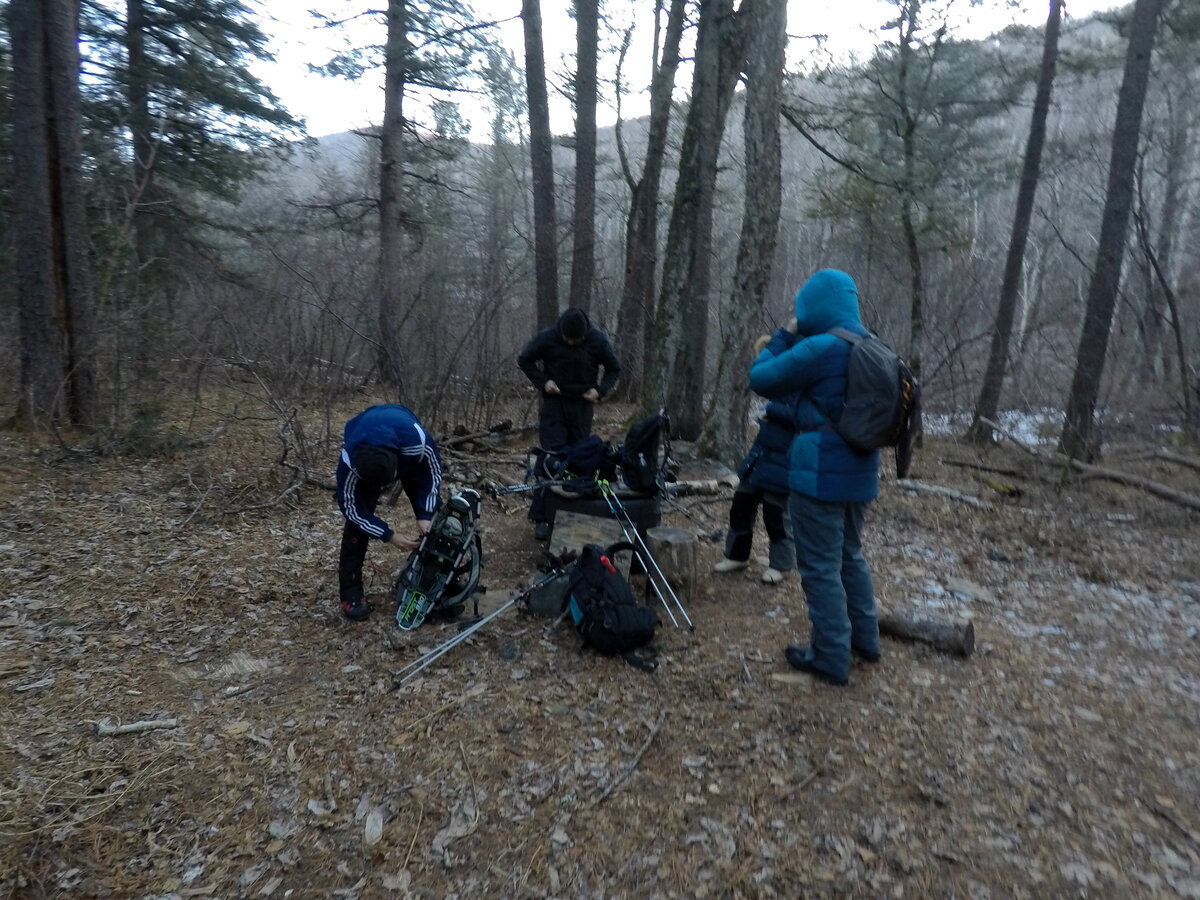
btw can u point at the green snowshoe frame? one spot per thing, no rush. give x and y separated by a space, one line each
443 572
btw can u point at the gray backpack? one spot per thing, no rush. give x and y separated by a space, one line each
883 399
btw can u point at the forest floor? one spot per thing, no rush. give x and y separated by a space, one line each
1062 759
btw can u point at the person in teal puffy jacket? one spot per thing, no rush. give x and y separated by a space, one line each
831 484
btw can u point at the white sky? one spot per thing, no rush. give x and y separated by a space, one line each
332 105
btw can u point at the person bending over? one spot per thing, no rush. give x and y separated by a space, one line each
381 445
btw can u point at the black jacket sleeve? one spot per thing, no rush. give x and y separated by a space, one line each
532 354
612 366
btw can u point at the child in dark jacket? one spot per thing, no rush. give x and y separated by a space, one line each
763 481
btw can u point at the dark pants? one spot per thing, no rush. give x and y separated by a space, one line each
836 580
354 551
562 422
742 514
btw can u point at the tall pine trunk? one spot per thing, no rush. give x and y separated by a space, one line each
680 347
636 316
682 322
54 286
1080 439
988 404
583 255
541 162
391 197
766 43
907 28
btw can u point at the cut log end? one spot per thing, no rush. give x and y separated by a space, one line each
946 635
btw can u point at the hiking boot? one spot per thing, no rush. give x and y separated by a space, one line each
797 657
731 565
865 656
772 576
541 531
356 609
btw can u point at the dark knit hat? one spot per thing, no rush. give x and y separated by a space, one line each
376 465
573 324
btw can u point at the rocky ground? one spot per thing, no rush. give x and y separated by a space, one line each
1060 760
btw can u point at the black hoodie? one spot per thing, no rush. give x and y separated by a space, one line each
575 369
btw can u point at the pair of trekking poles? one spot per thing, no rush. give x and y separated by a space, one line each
654 574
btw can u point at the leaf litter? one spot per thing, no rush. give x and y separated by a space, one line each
1061 759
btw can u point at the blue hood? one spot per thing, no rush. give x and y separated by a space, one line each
827 300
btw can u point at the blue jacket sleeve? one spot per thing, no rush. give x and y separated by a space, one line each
778 375
424 487
357 511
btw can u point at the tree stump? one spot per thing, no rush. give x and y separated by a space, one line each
675 551
940 633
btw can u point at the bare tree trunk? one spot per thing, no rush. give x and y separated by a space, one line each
583 257
1162 285
1175 193
541 161
767 44
1079 438
54 289
636 317
680 347
682 321
988 403
140 132
391 196
908 124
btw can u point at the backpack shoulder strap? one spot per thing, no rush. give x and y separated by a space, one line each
845 334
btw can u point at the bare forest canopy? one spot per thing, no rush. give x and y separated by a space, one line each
222 251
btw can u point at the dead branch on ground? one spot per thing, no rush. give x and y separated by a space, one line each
1190 501
620 779
921 487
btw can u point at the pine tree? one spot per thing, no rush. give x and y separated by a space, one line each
174 114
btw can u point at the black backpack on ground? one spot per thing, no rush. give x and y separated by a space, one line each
641 467
606 614
883 400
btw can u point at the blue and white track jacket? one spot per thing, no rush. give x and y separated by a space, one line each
395 427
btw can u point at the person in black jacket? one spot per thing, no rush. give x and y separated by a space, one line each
564 362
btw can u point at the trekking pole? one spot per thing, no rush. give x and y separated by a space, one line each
622 515
504 489
421 662
626 524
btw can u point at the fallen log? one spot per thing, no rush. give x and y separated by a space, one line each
1190 501
920 487
946 635
498 428
703 486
